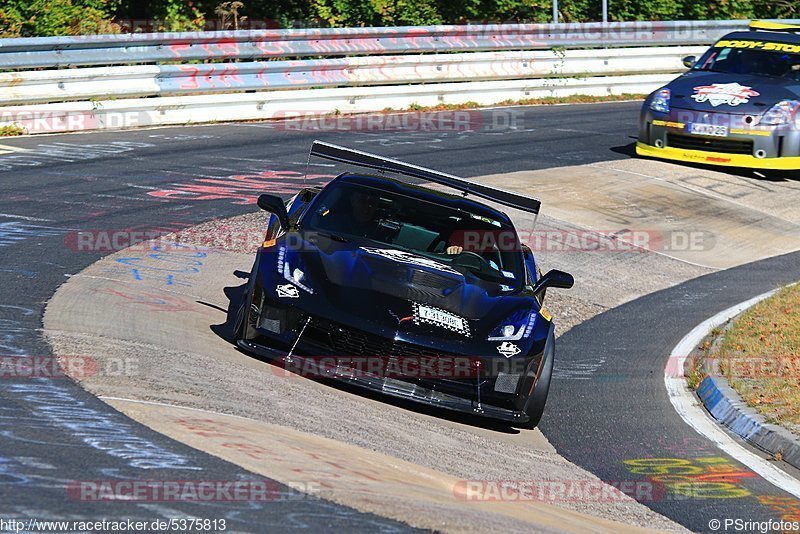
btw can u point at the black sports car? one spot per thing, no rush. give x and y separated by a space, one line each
405 290
737 105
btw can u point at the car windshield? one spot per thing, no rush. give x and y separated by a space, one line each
465 241
761 58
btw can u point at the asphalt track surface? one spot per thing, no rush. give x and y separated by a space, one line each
618 421
51 187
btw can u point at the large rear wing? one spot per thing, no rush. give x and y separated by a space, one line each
365 159
775 26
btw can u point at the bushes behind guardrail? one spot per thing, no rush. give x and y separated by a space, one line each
40 18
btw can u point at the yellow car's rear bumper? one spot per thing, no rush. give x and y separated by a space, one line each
718 158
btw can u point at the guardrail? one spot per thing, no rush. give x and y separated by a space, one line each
51 52
359 65
162 80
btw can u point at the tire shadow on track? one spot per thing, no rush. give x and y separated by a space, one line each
777 176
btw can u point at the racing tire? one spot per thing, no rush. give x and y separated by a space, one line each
534 407
241 317
243 326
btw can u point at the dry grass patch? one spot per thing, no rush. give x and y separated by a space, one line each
760 356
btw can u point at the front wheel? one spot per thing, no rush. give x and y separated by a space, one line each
247 314
534 408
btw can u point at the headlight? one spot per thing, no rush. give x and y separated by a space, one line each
660 101
296 276
517 326
781 113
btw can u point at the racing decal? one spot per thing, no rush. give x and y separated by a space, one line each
731 94
747 131
287 291
669 124
760 45
412 259
508 349
439 317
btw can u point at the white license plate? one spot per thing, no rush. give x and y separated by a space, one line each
715 130
441 317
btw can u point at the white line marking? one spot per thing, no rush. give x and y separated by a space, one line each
8 149
270 125
688 406
23 218
166 405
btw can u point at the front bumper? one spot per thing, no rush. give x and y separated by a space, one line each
667 136
395 388
718 158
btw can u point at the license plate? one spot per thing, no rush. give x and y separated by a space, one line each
441 318
714 130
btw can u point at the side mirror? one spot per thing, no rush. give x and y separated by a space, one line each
689 61
527 252
274 204
554 278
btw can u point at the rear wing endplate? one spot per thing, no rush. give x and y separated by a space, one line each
365 159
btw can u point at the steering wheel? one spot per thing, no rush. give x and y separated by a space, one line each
465 256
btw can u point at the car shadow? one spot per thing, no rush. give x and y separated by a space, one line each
764 175
235 295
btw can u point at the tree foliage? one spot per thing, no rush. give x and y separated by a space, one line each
23 18
72 17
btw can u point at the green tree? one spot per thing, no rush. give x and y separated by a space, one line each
26 18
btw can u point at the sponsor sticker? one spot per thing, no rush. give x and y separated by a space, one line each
508 349
412 259
716 94
668 124
760 45
287 291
